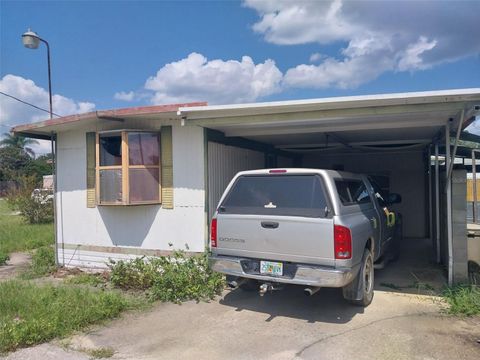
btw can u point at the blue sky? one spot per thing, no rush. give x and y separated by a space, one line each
120 53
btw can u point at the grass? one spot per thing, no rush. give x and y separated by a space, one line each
85 279
31 313
17 235
463 300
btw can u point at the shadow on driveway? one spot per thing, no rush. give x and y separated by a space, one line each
327 305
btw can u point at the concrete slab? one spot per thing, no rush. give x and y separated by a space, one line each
415 272
288 325
401 324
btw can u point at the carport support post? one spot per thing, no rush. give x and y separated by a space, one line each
448 186
474 176
437 204
430 204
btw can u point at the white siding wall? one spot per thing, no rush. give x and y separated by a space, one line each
145 226
223 163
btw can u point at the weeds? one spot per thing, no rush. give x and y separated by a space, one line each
33 314
463 300
43 263
100 353
174 278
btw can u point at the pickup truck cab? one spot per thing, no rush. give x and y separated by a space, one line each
309 227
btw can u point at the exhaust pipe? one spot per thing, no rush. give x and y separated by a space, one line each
310 290
236 283
264 288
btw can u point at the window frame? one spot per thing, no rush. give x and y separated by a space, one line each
328 202
125 168
352 203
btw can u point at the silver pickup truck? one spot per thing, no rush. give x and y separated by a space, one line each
308 227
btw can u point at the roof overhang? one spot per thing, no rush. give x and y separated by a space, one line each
45 129
373 119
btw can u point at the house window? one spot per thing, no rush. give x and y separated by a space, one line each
128 168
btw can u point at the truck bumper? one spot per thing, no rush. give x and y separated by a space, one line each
305 274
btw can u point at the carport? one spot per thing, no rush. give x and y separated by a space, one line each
397 138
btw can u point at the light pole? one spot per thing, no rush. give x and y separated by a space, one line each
31 40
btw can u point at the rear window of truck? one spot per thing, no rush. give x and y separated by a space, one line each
284 195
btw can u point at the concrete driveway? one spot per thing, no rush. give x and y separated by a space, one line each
282 325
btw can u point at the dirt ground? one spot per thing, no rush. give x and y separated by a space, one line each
17 263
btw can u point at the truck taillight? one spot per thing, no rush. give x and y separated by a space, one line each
213 233
343 242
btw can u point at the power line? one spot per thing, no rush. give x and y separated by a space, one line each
29 104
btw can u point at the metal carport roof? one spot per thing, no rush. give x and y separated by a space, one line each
400 118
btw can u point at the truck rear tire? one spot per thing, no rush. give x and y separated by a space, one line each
364 283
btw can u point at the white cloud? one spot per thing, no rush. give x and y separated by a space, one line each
315 57
124 96
380 36
13 113
195 78
411 58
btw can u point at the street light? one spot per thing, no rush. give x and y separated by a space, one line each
31 40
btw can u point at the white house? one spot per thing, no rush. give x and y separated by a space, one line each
141 181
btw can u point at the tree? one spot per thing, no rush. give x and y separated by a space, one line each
13 162
19 142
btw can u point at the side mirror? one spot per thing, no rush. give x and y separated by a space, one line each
394 199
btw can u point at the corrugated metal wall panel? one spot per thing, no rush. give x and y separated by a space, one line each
223 163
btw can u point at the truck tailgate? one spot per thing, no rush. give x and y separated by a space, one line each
284 238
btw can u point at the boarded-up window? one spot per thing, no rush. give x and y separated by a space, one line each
128 168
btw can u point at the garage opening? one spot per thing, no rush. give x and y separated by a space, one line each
398 140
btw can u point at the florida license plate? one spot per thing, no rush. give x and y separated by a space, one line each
271 268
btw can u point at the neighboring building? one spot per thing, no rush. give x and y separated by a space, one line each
142 181
47 182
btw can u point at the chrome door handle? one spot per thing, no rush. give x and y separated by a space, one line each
374 221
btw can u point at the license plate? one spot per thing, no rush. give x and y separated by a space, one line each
271 268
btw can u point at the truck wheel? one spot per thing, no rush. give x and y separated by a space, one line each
249 285
364 291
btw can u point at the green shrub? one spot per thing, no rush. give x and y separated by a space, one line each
43 263
174 278
32 314
34 208
463 300
136 274
3 258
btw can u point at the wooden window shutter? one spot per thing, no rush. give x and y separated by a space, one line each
167 167
91 144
